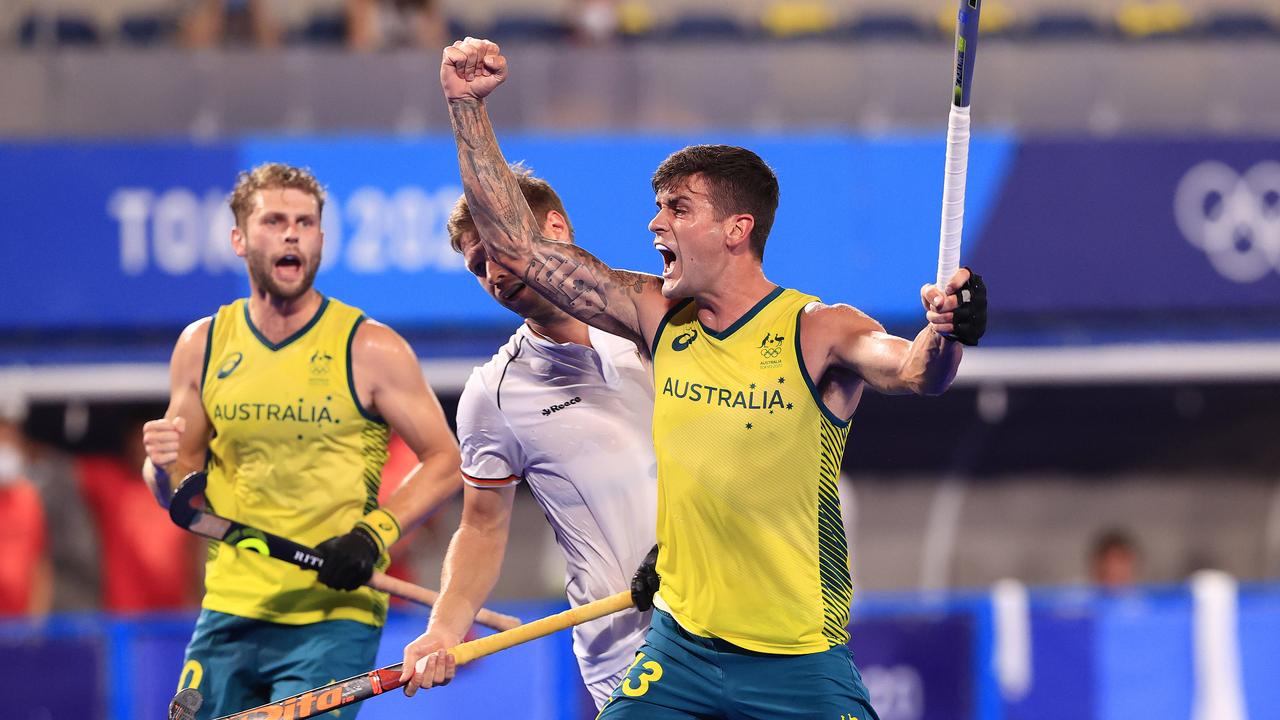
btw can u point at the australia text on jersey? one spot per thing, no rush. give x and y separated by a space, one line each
301 412
751 399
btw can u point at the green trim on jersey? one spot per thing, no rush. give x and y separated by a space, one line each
833 547
813 388
653 350
208 349
374 437
750 314
324 305
351 375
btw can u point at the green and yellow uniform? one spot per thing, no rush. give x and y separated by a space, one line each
748 459
294 453
755 589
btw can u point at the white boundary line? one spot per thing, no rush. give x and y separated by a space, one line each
1102 364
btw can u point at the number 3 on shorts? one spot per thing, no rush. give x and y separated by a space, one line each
652 673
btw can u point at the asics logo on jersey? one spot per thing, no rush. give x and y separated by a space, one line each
230 364
684 340
557 408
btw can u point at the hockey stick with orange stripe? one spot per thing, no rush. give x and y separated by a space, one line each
375 682
188 510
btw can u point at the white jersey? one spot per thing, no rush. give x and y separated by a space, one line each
575 422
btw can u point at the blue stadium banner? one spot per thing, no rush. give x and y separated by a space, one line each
1136 225
135 235
916 668
130 235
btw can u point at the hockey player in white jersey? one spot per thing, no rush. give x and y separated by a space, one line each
567 409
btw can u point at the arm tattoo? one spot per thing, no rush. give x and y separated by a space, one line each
567 276
494 196
572 278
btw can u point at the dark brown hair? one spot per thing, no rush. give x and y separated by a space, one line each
738 181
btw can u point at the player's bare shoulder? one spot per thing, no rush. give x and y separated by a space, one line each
378 347
839 337
188 351
837 323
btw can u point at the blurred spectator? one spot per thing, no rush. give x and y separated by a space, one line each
210 23
25 574
148 563
1113 561
596 21
389 24
73 549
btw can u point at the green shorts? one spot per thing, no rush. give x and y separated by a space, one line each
680 675
237 663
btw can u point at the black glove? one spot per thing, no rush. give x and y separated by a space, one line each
970 318
646 581
348 559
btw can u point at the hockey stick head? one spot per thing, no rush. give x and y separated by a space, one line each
185 704
188 499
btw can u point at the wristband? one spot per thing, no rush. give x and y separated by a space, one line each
382 526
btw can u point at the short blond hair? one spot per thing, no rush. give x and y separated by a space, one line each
272 175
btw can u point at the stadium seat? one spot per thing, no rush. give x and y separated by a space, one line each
636 19
998 18
147 29
61 30
138 22
1231 18
513 19
694 20
530 27
1153 18
707 27
1065 19
1241 24
319 22
322 29
1238 18
1064 24
467 18
887 19
798 18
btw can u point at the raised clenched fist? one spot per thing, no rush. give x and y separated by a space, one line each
471 69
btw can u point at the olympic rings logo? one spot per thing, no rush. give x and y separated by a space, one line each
1233 218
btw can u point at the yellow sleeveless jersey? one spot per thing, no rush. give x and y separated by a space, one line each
293 453
752 545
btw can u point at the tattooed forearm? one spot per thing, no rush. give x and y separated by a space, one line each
499 209
569 276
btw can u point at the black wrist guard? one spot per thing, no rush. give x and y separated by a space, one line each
646 581
349 559
970 318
